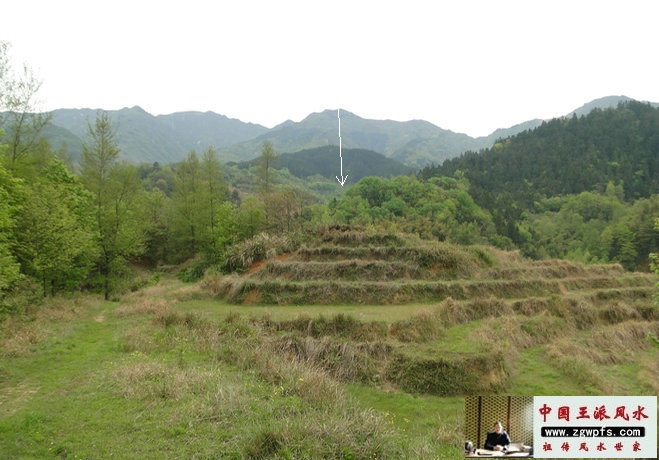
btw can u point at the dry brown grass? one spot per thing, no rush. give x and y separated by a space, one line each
422 327
575 360
618 312
214 284
190 292
291 375
13 398
20 334
504 336
530 305
19 340
618 343
137 339
143 306
342 360
649 373
152 379
452 312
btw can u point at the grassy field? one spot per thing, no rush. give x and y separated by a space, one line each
146 379
176 371
161 374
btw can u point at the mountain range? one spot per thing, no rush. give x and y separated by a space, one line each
143 137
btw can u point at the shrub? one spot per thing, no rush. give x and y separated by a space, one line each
422 327
242 255
194 270
444 376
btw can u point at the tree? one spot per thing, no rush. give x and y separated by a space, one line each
158 247
10 188
283 206
198 197
54 229
266 161
654 264
216 192
22 125
251 217
116 190
188 204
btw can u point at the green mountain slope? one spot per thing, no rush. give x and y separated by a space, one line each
209 128
421 152
567 156
164 138
63 139
321 129
324 161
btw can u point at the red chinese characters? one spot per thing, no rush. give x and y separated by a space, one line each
544 411
599 413
638 413
621 412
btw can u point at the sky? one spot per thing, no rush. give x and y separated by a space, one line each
467 66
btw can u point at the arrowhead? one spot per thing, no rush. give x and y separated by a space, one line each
342 180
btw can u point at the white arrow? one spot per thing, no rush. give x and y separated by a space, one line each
343 179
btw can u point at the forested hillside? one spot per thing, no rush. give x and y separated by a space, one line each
324 161
571 155
596 177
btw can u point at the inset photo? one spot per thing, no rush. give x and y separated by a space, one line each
498 426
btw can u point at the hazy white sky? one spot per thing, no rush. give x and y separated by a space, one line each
468 66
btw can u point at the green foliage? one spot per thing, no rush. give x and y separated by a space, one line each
441 208
592 228
559 190
262 246
194 270
568 156
219 226
117 197
358 163
10 190
265 164
202 219
251 217
55 237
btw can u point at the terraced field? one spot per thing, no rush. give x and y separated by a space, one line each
348 267
489 316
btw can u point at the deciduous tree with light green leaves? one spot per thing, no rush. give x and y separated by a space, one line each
187 205
198 201
214 195
19 117
116 194
9 266
55 237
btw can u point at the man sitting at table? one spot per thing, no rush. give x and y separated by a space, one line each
497 439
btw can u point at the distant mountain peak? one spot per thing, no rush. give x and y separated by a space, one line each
605 102
135 108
